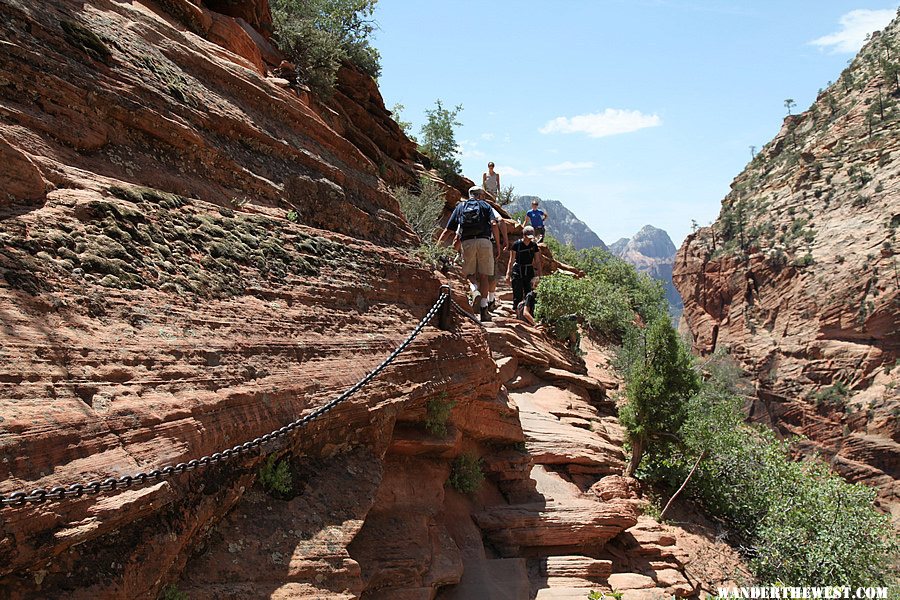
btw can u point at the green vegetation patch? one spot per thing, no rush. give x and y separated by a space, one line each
438 139
275 477
171 592
606 300
318 35
796 522
89 42
437 414
422 208
833 395
466 475
159 240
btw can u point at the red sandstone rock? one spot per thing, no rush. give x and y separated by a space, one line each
551 525
195 254
254 12
802 292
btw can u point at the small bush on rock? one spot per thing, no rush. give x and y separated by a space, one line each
275 477
171 592
437 413
422 209
466 475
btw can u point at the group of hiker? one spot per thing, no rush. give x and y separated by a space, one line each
482 234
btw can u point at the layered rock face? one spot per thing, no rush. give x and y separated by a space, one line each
195 252
798 276
651 251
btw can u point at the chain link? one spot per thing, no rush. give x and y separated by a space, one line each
466 313
77 490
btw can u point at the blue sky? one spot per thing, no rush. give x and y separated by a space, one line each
630 112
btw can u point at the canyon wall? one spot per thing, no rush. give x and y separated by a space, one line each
195 251
798 277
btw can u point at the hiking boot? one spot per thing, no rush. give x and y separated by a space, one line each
485 315
476 303
492 305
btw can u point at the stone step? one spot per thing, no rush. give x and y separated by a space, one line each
490 579
573 567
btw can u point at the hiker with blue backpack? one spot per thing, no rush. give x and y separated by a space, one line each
474 218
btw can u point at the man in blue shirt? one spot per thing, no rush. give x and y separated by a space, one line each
476 223
536 217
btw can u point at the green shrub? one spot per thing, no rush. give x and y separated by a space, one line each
437 413
795 521
607 299
318 35
659 379
466 475
439 139
434 255
275 477
834 395
804 261
422 208
506 195
614 595
171 592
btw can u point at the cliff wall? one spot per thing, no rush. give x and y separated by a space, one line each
798 276
157 302
196 251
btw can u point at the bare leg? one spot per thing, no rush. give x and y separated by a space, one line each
483 285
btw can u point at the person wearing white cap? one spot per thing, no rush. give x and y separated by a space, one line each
477 225
524 264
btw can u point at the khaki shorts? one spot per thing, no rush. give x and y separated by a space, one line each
478 256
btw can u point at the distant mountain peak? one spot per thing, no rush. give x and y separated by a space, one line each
562 224
651 251
652 242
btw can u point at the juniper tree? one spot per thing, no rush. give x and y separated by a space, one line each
439 138
659 379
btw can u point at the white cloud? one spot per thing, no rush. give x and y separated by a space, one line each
855 25
510 171
611 121
487 136
469 149
570 166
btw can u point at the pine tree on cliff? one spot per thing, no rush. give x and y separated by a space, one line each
439 139
659 379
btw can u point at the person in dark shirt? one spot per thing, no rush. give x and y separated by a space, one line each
525 308
477 226
524 264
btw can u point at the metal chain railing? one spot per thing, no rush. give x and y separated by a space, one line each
77 490
466 313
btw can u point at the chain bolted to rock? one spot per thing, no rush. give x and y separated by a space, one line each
77 490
